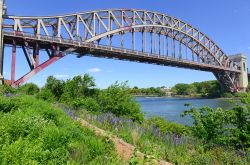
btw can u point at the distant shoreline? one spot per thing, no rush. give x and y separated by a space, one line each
188 97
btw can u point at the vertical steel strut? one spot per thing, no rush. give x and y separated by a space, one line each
13 62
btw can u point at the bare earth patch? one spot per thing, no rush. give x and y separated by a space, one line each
123 149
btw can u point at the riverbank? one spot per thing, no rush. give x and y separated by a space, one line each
187 96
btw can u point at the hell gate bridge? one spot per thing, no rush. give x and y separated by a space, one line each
125 34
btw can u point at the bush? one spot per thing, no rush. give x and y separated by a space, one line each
223 127
4 89
46 95
30 89
227 95
6 105
54 86
208 123
166 126
78 87
88 103
118 100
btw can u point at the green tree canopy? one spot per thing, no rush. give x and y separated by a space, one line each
55 86
118 100
30 89
183 89
78 87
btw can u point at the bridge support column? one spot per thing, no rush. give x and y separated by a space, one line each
2 12
241 59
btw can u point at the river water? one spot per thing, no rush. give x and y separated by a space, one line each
171 108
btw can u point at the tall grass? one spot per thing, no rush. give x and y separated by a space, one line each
35 132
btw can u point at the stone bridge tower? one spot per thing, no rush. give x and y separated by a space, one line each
241 59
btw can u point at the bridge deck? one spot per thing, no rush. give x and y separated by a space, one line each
82 48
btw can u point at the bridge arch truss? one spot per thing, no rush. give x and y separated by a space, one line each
128 34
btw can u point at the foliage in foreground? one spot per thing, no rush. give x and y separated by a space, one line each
34 132
153 137
229 128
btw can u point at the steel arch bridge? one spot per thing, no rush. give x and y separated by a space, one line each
125 34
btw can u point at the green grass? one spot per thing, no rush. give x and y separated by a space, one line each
35 132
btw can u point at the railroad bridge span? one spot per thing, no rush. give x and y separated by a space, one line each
125 34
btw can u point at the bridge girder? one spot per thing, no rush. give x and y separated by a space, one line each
97 26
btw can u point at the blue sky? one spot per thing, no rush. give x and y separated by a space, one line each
227 22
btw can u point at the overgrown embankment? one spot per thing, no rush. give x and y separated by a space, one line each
35 132
217 136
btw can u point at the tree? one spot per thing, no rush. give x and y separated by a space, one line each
46 94
30 89
78 87
208 88
118 100
55 86
181 89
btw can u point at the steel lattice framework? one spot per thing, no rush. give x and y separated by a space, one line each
126 34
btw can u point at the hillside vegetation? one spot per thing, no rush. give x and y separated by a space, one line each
33 130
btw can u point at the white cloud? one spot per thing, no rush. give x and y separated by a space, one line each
94 70
61 76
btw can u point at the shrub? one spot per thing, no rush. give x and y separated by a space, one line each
6 105
46 95
166 126
88 103
30 89
209 124
4 89
227 95
118 100
54 86
78 87
224 127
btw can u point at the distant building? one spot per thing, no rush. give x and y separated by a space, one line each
167 90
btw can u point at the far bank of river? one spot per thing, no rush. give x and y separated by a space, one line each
170 108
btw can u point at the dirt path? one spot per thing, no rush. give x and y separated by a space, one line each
125 150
